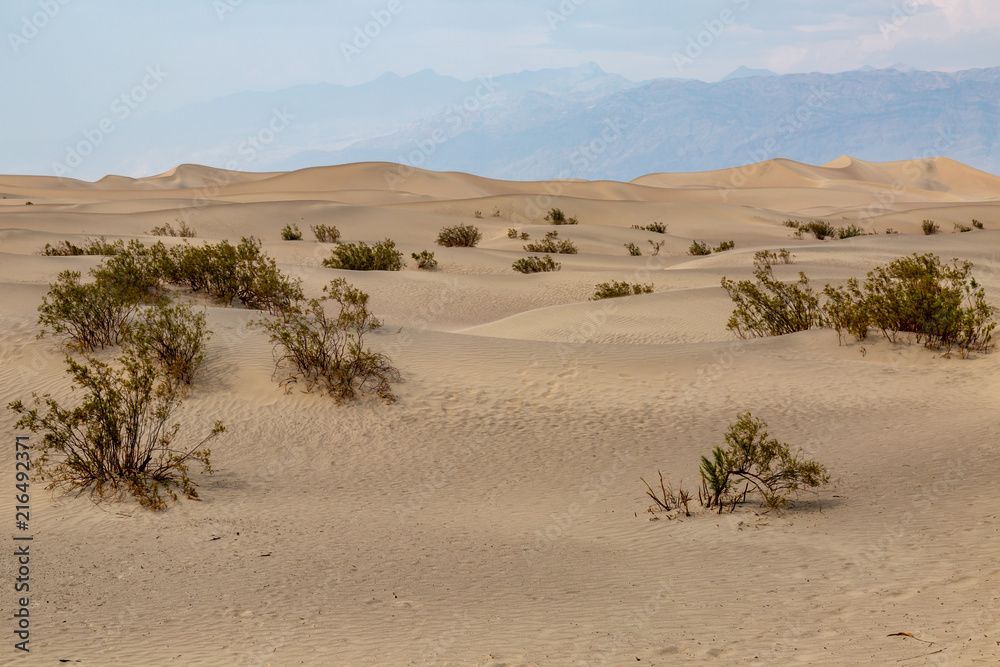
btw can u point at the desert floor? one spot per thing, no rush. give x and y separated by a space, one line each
494 515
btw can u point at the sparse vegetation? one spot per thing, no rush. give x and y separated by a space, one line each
329 352
769 257
89 247
360 256
977 224
291 233
478 214
890 230
536 264
616 289
459 236
850 231
633 249
326 233
119 440
698 249
557 217
657 227
425 260
771 307
173 336
724 246
656 246
959 228
820 229
553 244
929 227
167 230
87 315
512 233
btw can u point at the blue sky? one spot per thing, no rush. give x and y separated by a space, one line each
63 60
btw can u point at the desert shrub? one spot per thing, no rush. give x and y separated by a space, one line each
656 246
478 214
89 247
425 260
850 232
291 233
959 228
890 230
29 203
137 271
793 224
724 246
771 307
633 250
118 441
167 230
616 289
657 227
977 224
769 257
496 211
929 227
536 264
230 273
87 315
765 465
329 352
553 245
459 236
326 233
557 217
360 256
699 248
171 335
512 233
941 305
820 229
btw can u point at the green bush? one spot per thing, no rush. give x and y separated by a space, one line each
850 231
657 227
329 352
119 439
166 230
770 307
551 243
87 315
137 271
761 463
941 305
512 233
633 249
171 335
820 229
724 246
459 236
360 256
536 264
291 233
769 257
326 233
698 248
557 217
929 227
89 247
425 260
616 289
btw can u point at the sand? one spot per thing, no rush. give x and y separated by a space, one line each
494 515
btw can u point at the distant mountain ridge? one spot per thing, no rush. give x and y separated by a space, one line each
579 122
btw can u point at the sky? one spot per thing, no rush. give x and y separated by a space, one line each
66 60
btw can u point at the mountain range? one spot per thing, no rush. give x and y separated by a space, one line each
579 122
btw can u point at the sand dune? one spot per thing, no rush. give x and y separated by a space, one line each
494 514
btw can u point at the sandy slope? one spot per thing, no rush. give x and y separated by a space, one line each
484 519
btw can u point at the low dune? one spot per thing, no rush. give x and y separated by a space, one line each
483 518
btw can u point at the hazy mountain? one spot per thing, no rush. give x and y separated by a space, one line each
578 122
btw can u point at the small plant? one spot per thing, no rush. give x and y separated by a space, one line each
698 249
977 224
771 307
173 336
633 250
890 230
512 233
657 227
167 230
766 466
119 440
768 257
496 211
820 229
724 246
616 289
793 224
326 233
553 245
460 236
89 247
478 214
524 236
291 233
381 256
929 227
959 228
850 231
425 260
536 264
553 234
28 203
656 246
329 352
557 217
